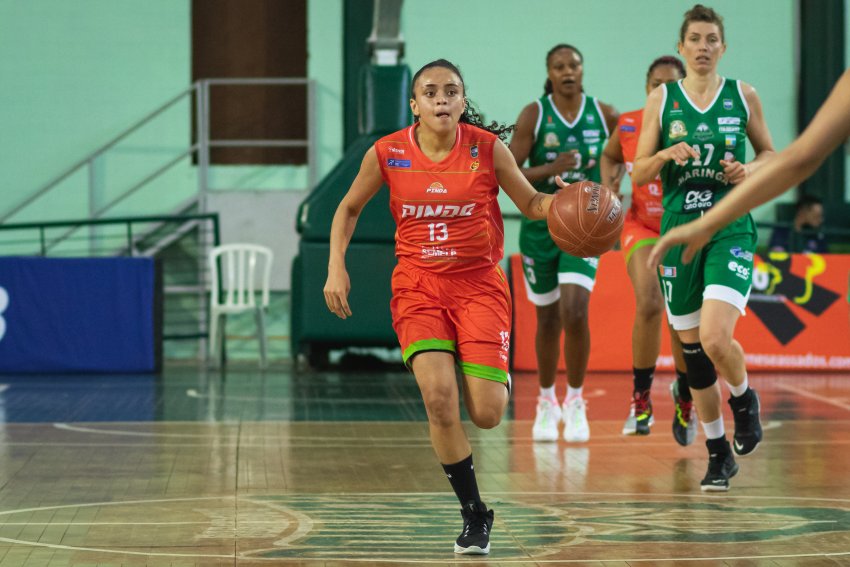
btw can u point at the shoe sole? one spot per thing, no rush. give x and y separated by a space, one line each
577 439
472 550
750 452
637 431
544 439
713 488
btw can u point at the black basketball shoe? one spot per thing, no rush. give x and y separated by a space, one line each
748 432
475 537
721 467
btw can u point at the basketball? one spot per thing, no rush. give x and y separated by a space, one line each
585 219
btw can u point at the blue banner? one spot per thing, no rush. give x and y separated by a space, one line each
77 315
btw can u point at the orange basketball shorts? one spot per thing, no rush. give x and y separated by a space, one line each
469 317
636 234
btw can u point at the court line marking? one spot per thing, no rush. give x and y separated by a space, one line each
812 396
397 560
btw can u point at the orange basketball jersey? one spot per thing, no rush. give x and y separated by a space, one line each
447 216
646 199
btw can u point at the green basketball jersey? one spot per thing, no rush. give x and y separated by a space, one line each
553 135
717 133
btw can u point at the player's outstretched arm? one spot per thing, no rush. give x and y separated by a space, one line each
829 128
532 204
365 186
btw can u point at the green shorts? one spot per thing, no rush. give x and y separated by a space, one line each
722 270
546 267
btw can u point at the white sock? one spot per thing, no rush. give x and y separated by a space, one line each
573 393
714 429
548 393
740 389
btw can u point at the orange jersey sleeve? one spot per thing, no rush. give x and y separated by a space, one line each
646 199
447 214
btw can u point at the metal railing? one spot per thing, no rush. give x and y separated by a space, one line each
182 245
199 92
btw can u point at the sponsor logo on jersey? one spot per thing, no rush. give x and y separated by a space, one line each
473 151
727 104
742 272
438 252
571 139
739 252
703 132
436 187
625 128
550 156
395 150
728 120
474 166
677 130
592 151
731 141
551 140
675 105
729 156
668 271
698 199
527 261
590 133
591 119
729 129
702 173
436 211
391 162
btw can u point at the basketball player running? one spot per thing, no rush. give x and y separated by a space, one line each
694 134
561 135
451 304
640 232
828 129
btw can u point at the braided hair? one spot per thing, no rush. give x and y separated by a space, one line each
470 115
547 86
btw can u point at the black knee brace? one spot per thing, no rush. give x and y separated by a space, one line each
701 373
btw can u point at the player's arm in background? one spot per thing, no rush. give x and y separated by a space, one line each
759 136
522 142
528 200
649 159
367 183
612 164
827 130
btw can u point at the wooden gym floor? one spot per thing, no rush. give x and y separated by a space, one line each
335 468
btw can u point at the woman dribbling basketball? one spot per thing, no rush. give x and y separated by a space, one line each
451 304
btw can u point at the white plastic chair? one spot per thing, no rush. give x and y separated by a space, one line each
237 294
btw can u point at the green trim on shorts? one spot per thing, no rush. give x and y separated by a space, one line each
427 344
486 372
640 244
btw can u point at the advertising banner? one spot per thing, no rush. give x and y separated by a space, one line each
77 315
797 316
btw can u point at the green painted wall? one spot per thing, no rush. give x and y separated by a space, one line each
77 73
504 65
